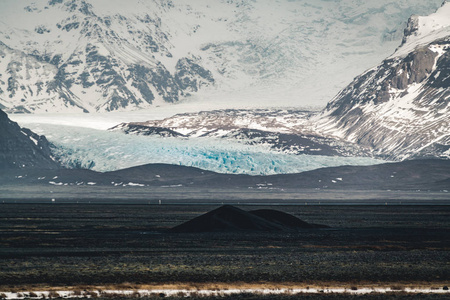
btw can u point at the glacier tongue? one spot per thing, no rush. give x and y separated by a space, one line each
108 151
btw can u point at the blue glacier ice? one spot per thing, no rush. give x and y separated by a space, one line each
102 150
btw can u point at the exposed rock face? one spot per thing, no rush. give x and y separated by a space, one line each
230 218
151 130
415 68
21 148
191 76
411 28
377 85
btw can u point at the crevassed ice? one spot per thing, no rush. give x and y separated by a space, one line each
108 151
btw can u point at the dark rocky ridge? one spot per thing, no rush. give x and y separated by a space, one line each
408 175
229 218
21 148
298 144
221 124
151 130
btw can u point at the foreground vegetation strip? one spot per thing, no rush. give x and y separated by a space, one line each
216 291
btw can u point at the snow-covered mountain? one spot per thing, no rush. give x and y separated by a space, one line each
400 108
104 55
94 62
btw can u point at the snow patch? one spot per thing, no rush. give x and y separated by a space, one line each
133 184
55 183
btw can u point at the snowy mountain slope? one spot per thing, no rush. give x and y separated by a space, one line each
107 62
401 108
112 56
34 83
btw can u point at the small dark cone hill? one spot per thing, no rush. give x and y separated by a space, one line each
228 218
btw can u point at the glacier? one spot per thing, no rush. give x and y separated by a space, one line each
103 151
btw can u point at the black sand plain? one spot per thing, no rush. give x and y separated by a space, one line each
70 244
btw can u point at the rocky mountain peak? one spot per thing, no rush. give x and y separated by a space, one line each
401 108
411 28
422 30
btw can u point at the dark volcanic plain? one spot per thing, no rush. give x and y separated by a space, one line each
123 245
